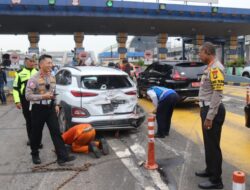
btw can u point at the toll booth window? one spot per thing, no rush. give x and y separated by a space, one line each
106 82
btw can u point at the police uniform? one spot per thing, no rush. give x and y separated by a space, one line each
211 108
164 99
19 84
43 111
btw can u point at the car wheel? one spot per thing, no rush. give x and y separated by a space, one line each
63 123
246 75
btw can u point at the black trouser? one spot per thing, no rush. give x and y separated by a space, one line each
27 115
211 139
164 113
42 114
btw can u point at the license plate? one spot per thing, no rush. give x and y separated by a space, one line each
118 101
106 108
196 84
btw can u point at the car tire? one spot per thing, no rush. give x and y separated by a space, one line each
246 75
64 124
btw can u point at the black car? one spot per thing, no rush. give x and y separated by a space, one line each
184 77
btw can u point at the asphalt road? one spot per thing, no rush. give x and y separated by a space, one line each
178 155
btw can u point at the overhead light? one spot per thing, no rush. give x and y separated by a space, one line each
16 1
75 2
51 2
109 3
162 6
214 9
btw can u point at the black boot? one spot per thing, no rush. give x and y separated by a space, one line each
36 159
93 148
104 146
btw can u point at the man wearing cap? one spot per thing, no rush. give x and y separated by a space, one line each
19 85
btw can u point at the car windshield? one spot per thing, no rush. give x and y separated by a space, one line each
103 82
191 69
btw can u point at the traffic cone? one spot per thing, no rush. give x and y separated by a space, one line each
150 163
239 180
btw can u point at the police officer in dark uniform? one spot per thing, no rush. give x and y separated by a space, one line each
40 91
19 85
164 99
212 113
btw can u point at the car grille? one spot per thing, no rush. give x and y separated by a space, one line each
123 122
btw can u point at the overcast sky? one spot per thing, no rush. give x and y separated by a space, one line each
91 43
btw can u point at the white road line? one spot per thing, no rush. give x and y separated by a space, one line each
121 151
139 151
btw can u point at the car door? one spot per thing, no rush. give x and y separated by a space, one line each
63 81
147 79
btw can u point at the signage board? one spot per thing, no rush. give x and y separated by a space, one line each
148 54
14 57
83 55
122 50
33 50
162 50
200 1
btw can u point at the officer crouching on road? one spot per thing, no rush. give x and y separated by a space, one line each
40 91
212 113
164 99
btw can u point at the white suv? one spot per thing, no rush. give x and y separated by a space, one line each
104 97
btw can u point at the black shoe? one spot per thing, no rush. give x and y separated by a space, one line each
93 148
36 159
210 185
203 173
28 143
104 146
159 136
63 161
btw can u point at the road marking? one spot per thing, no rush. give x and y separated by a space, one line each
235 140
124 154
139 152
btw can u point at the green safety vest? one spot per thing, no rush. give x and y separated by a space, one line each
20 82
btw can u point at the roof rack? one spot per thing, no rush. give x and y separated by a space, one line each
73 67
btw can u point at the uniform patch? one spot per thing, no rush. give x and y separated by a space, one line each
217 79
32 85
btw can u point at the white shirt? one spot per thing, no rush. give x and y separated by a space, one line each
151 93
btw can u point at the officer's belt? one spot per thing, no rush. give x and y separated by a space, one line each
203 103
42 102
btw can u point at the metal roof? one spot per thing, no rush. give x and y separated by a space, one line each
134 18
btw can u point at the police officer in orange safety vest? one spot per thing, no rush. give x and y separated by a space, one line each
81 137
164 99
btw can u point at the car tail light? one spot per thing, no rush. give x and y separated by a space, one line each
79 112
177 76
133 92
82 94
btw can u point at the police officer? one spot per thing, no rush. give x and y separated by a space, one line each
212 113
40 91
19 85
164 99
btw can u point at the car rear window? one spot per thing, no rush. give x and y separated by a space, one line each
105 82
191 69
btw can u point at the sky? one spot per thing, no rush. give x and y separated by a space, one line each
91 42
